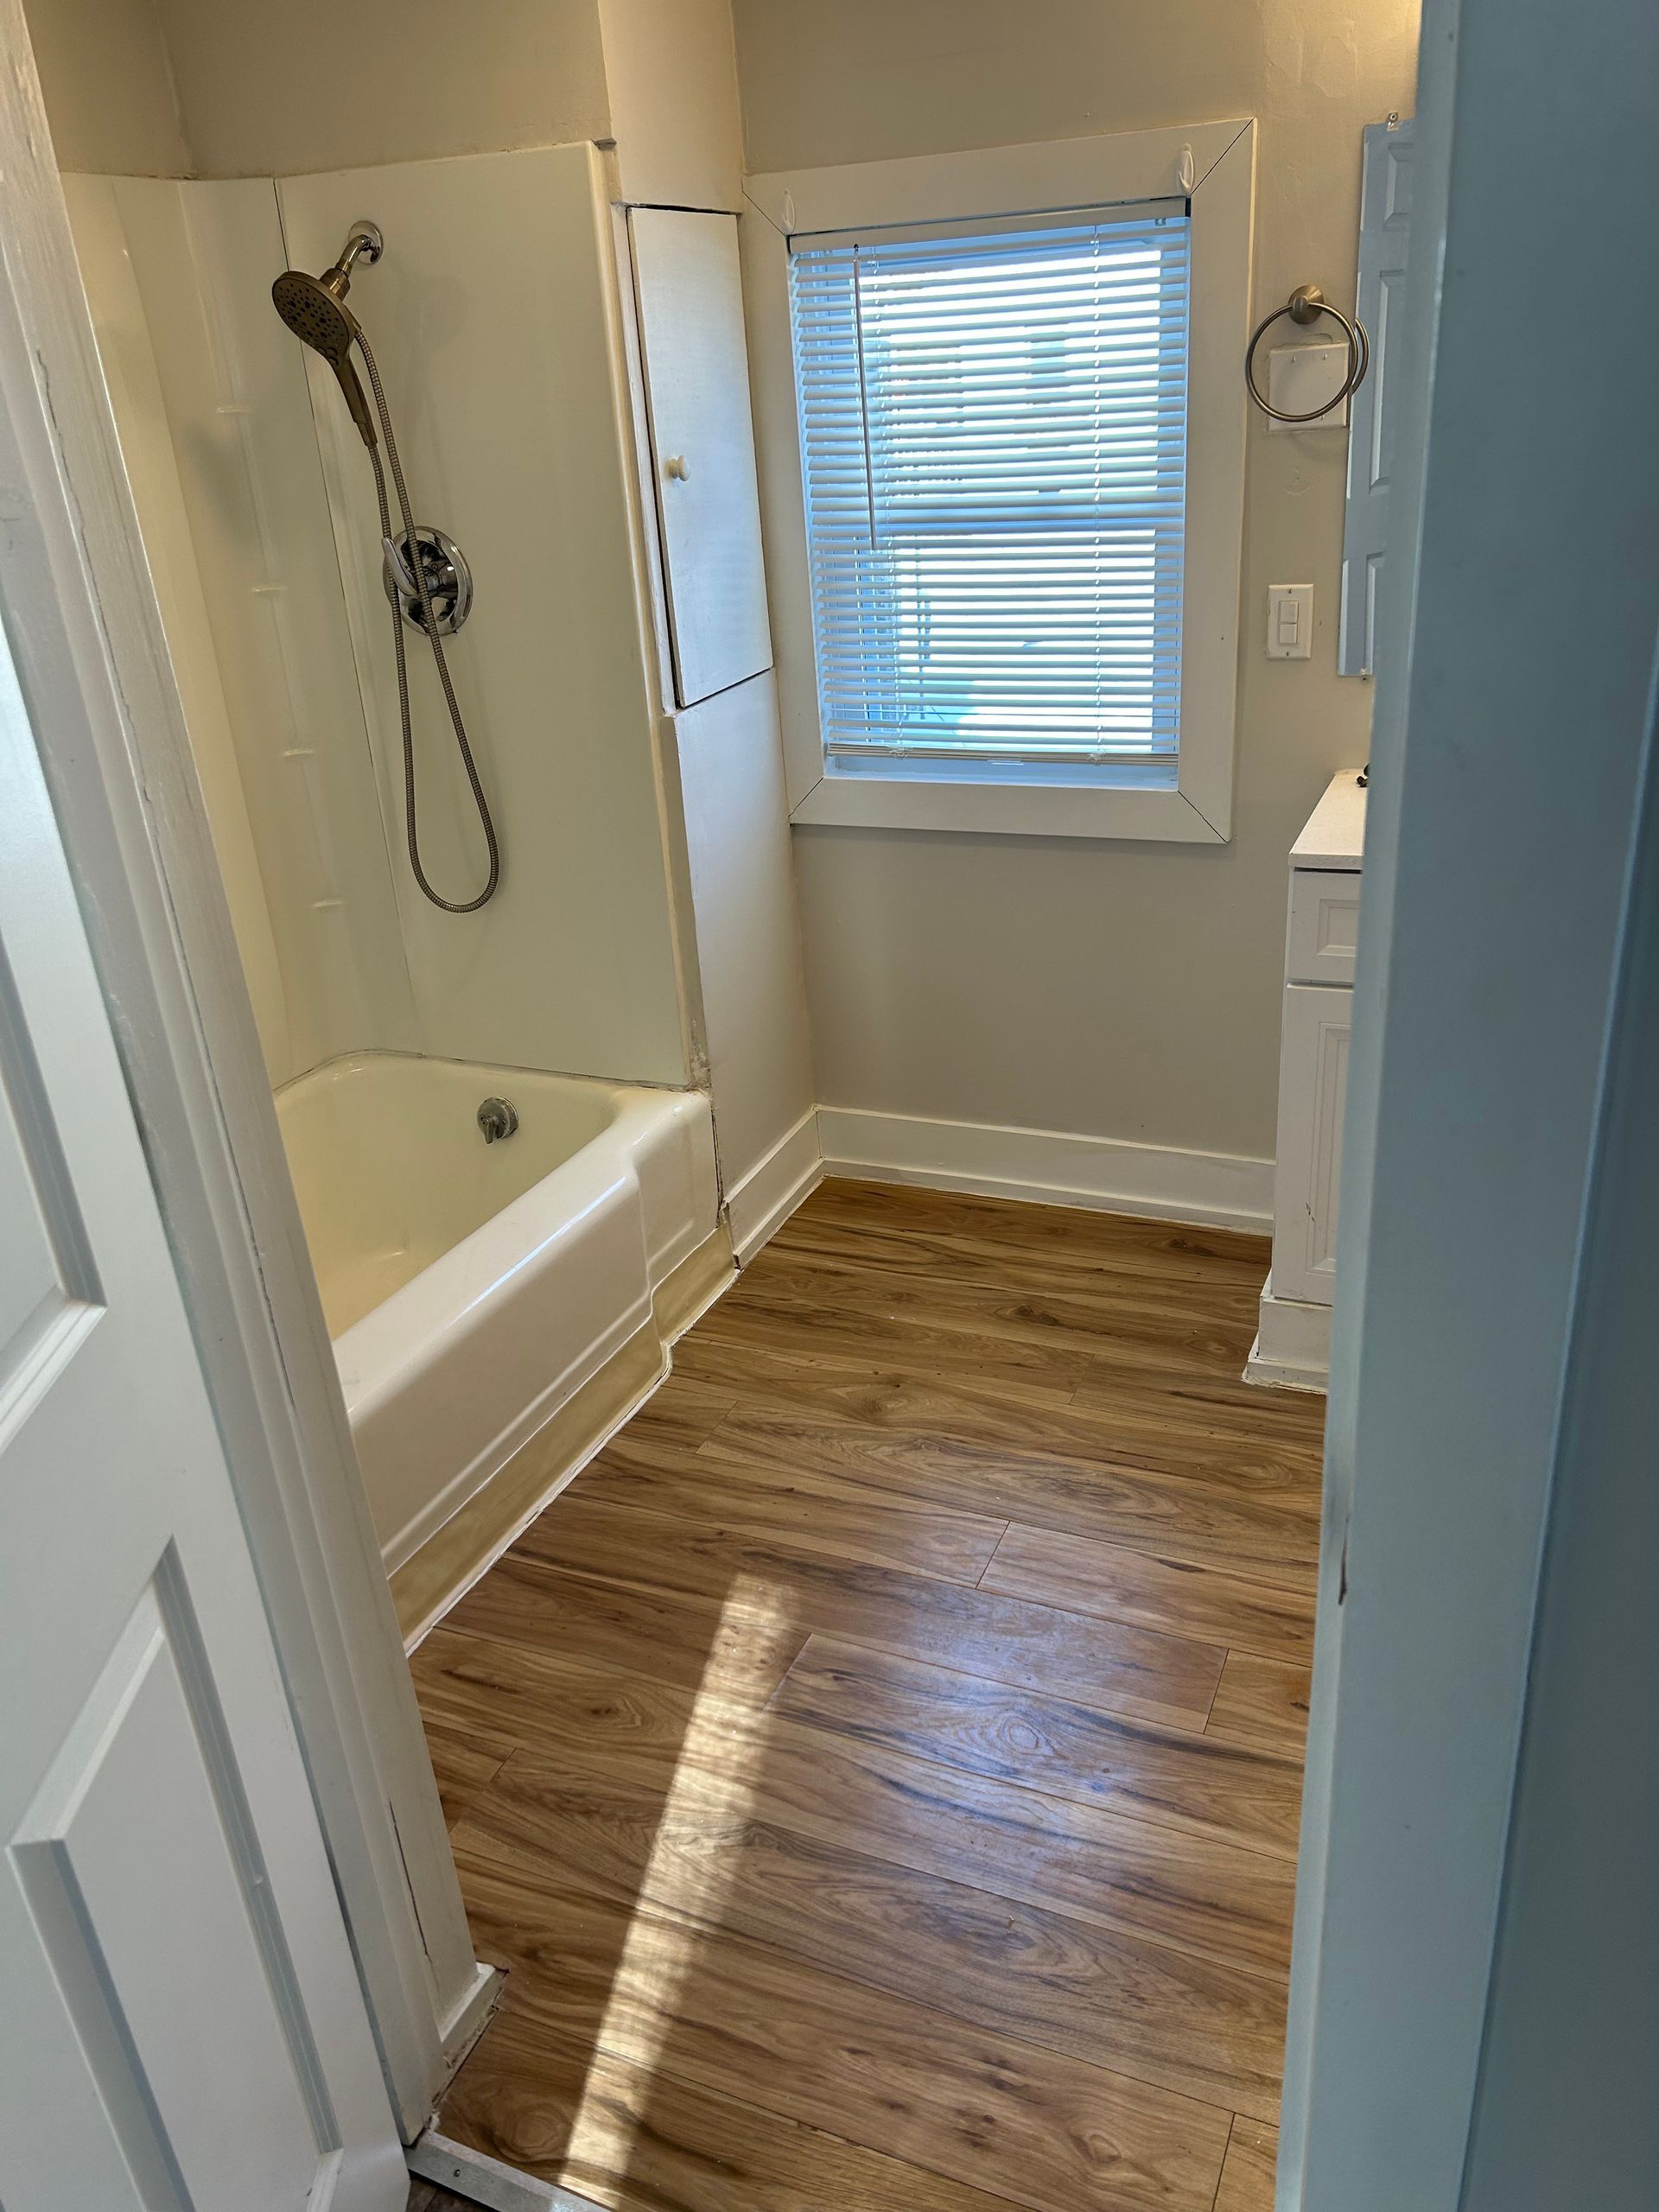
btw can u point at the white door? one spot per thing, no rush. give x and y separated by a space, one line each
1373 464
181 2025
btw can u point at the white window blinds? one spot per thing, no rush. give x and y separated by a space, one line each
994 432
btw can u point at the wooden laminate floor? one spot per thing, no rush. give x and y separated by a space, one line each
879 1770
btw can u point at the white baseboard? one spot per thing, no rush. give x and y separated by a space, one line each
1291 1350
470 2016
1218 1190
774 1187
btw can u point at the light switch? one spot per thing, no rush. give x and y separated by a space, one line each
1290 621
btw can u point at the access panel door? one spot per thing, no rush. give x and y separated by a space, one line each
690 304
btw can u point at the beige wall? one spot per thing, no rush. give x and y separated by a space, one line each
339 84
326 84
1119 990
108 85
670 74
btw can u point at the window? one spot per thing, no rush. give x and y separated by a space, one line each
992 430
1001 420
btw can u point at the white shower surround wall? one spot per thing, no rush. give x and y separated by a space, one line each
493 317
472 1289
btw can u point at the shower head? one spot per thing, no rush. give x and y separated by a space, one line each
315 309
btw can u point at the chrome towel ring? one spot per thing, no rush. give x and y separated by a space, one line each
1307 304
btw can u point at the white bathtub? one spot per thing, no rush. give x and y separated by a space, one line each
471 1289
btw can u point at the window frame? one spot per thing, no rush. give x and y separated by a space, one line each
1213 164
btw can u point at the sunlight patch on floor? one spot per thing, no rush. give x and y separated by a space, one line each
689 1872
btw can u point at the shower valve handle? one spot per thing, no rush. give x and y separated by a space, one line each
400 568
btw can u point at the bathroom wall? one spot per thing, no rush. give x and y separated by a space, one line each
748 951
670 71
329 84
1122 991
107 79
311 85
675 115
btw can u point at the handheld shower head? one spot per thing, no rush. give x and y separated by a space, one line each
315 309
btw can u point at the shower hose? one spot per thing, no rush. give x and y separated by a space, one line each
417 567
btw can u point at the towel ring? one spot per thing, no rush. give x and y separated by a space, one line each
1307 304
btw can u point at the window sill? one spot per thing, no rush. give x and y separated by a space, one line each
1160 813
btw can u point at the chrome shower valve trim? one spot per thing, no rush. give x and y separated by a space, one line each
449 579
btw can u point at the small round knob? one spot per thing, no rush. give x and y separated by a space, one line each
676 466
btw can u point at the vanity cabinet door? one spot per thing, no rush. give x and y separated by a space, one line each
1313 1091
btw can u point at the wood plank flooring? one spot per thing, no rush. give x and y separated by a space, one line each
425 2196
880 1771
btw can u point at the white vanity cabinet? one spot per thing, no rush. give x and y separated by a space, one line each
1293 1344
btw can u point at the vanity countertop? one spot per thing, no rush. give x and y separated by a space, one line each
1334 833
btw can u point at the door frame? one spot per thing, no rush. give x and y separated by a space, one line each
87 633
1398 1922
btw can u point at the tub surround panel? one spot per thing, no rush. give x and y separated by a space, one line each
204 256
129 363
250 599
493 317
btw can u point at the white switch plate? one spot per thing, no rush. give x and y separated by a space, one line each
1290 621
1302 379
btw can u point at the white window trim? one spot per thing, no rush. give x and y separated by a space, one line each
1214 163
